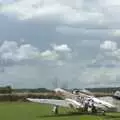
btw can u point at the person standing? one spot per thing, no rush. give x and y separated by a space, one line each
55 109
94 110
86 104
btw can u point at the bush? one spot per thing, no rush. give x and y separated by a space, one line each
5 90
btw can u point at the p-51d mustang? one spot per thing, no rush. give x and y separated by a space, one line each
76 101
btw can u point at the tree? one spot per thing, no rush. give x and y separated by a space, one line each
9 89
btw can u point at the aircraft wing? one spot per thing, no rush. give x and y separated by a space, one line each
61 103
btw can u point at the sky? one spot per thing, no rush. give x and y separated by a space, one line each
76 42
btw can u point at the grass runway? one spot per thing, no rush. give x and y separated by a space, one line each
32 111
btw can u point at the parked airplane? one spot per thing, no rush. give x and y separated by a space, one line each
76 101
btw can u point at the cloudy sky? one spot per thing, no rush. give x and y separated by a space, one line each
76 42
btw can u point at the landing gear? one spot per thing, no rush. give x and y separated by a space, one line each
94 110
55 110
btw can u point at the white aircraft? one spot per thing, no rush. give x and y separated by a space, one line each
76 101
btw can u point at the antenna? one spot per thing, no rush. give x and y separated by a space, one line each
55 82
2 65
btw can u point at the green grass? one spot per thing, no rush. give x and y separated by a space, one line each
31 111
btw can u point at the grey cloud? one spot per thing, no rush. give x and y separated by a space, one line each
66 12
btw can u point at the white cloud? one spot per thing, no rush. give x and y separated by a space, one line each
49 55
116 33
108 56
111 2
11 50
61 48
113 50
108 45
116 53
8 46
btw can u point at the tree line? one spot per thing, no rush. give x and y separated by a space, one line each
8 89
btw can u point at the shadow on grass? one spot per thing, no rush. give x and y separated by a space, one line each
69 114
112 116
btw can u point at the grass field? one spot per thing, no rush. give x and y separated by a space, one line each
31 111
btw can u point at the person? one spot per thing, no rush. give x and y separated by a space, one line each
86 106
89 105
55 109
90 102
94 110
